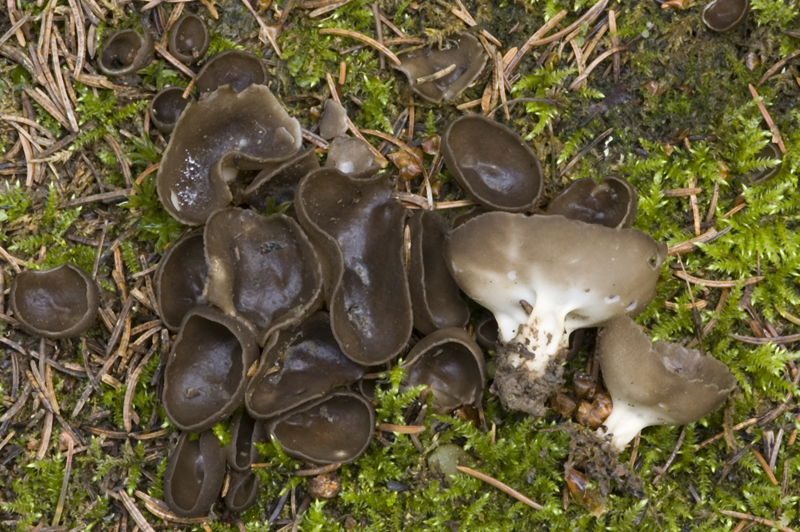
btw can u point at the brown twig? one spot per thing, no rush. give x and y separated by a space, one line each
585 150
401 429
716 284
777 66
499 485
739 426
317 470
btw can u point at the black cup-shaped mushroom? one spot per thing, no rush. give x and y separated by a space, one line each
249 130
334 120
451 363
189 39
261 269
351 156
299 365
492 163
434 294
442 74
486 333
166 108
611 203
357 227
204 379
279 183
242 491
240 451
770 151
236 68
57 303
194 475
725 15
655 384
181 278
337 428
125 52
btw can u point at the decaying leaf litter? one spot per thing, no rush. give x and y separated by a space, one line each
635 89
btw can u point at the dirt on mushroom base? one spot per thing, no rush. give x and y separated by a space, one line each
518 388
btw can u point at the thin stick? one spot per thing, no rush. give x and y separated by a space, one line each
67 470
739 426
777 66
585 150
776 134
13 29
764 341
80 29
716 284
363 38
577 81
134 511
534 39
401 429
169 57
672 456
499 485
127 405
317 470
759 520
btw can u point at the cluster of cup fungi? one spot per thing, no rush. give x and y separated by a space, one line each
287 313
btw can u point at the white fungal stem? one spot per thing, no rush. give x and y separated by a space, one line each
625 422
543 336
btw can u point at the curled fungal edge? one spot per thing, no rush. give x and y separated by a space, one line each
655 384
543 277
246 130
125 52
725 15
612 202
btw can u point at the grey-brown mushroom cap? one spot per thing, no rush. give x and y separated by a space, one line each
334 120
678 385
725 15
352 156
194 475
166 107
235 68
582 273
180 279
189 39
125 52
442 74
248 130
58 303
611 203
492 163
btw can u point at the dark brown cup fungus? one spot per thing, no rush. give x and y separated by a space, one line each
357 227
204 379
337 428
57 303
770 151
248 130
194 475
166 108
543 277
242 491
655 384
236 68
486 333
435 297
725 15
189 39
451 363
611 203
352 156
492 163
279 183
334 120
240 451
125 52
442 74
261 269
180 279
299 365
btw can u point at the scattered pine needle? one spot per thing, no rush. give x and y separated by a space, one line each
499 485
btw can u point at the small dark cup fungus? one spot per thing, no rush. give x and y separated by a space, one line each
240 451
204 379
770 151
611 203
351 156
334 120
189 39
57 303
492 163
125 52
236 68
279 183
725 15
299 365
435 296
194 475
451 363
486 333
261 269
181 278
357 227
166 108
442 74
655 384
337 428
242 491
249 130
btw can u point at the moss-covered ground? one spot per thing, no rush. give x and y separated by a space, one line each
676 116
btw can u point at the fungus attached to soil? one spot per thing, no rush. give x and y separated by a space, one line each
194 475
166 107
236 68
442 74
611 203
125 52
655 384
248 130
492 163
58 303
543 277
189 39
725 15
181 278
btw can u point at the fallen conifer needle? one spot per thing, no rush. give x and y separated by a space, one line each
499 485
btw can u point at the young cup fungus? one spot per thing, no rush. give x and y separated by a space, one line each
544 277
